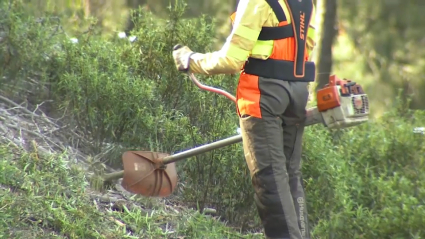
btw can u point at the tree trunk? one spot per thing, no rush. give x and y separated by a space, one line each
326 11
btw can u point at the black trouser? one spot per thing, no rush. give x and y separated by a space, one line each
272 146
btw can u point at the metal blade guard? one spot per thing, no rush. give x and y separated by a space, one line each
146 174
153 174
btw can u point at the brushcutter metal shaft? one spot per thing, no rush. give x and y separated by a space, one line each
312 117
184 155
202 149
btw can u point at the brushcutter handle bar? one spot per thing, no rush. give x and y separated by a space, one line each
211 89
205 87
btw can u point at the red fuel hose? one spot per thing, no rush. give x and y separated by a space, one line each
211 89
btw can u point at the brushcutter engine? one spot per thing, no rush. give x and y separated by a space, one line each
340 104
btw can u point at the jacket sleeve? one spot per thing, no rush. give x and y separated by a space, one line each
250 17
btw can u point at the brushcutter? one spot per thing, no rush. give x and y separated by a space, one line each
340 104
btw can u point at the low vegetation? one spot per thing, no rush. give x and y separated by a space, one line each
46 196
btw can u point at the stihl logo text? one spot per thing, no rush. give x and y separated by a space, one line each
302 25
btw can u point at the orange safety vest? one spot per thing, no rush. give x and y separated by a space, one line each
289 58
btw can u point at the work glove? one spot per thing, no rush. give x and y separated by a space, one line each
181 55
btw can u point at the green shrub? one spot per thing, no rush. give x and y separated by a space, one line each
368 181
26 47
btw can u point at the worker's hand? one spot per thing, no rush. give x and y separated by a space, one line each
181 55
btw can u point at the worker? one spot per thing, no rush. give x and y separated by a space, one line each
270 46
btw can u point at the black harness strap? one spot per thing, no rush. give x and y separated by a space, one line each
277 9
300 11
278 69
274 33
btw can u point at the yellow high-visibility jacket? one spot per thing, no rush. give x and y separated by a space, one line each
251 16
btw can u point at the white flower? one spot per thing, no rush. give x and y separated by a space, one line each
132 38
419 130
122 35
74 40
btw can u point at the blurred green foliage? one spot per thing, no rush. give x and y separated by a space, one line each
368 181
362 182
381 44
